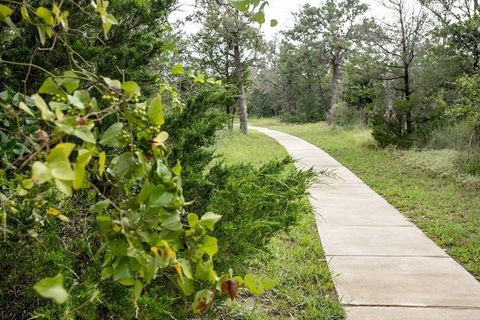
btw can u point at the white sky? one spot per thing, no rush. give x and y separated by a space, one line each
281 10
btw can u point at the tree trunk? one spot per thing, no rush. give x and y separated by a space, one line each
406 84
334 89
230 119
242 105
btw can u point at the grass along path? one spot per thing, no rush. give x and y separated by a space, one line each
423 185
254 148
294 259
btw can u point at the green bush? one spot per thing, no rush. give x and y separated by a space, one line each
255 204
192 143
346 116
389 130
455 136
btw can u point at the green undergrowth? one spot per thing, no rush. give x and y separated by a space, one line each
268 228
425 185
254 148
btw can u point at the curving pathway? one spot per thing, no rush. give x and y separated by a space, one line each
384 267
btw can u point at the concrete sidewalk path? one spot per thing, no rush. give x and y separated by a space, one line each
383 267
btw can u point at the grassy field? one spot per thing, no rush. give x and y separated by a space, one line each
294 259
423 184
255 148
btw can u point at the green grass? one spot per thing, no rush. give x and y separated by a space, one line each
294 258
254 148
424 185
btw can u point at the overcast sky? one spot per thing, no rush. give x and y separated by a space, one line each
281 10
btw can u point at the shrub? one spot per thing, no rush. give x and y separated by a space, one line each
453 136
388 129
255 204
346 116
192 143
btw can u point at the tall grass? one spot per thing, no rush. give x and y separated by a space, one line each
456 136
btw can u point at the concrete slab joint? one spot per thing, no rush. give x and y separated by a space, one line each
383 266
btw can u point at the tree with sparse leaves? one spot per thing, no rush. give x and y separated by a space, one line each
227 44
333 29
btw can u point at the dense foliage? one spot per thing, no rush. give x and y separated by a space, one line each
94 216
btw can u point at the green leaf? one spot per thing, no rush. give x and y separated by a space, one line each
177 170
60 167
60 153
106 273
254 284
27 184
203 300
23 106
4 95
41 33
186 267
128 282
108 21
200 78
45 15
110 136
192 219
49 31
204 271
187 285
63 218
102 158
173 223
163 171
46 114
268 283
211 80
62 171
123 165
5 11
24 12
273 23
241 5
83 159
121 271
209 219
259 17
70 81
85 133
155 111
100 206
131 88
52 288
177 69
210 245
64 186
113 84
40 173
104 223
80 99
49 86
20 191
137 290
